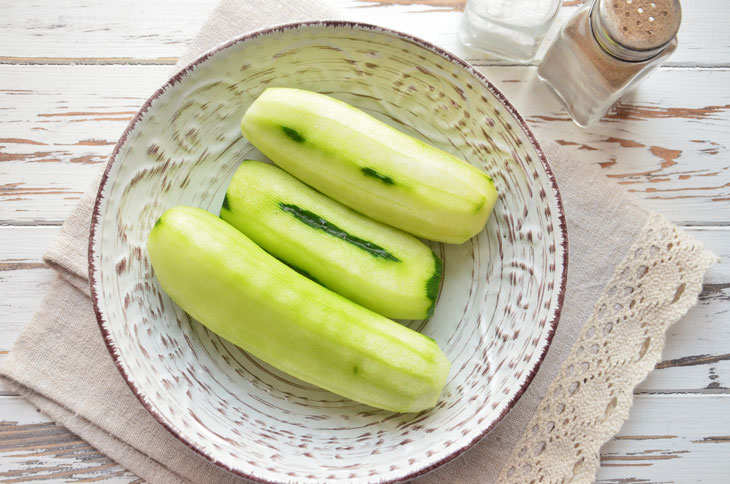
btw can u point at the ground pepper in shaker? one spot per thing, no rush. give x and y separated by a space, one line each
605 49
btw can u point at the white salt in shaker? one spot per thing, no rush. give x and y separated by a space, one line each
512 29
605 49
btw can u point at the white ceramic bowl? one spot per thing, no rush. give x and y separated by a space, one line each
499 303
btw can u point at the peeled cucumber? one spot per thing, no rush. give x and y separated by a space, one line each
369 165
370 263
232 286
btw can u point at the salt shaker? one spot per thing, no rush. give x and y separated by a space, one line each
512 29
605 49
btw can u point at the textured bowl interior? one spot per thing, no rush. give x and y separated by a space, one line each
499 302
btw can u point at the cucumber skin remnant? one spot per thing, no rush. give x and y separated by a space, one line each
232 286
375 265
434 283
369 165
370 172
319 223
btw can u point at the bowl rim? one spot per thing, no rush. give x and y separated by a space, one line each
181 74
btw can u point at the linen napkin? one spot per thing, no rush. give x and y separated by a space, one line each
631 275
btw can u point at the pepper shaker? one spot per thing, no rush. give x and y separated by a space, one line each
605 49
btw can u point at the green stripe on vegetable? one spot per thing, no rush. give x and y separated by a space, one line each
370 172
317 222
407 184
377 266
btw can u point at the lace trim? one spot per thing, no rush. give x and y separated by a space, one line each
620 344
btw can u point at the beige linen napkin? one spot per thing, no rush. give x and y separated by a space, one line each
631 275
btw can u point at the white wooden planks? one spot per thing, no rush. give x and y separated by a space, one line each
73 73
696 358
33 448
138 31
658 444
670 151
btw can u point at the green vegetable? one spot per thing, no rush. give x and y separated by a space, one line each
370 166
372 264
232 286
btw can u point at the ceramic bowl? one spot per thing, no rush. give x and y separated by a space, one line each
499 303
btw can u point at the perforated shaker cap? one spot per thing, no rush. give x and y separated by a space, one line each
635 29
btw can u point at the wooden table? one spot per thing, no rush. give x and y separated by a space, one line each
73 73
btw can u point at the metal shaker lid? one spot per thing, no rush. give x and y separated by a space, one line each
635 29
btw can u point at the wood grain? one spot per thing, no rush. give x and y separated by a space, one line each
660 444
645 143
48 31
33 448
657 445
668 143
437 5
694 360
50 157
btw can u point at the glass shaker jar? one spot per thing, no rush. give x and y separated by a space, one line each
512 29
605 49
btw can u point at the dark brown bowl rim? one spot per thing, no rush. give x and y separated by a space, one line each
178 76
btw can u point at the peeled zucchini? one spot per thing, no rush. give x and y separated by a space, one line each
370 166
370 263
232 286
